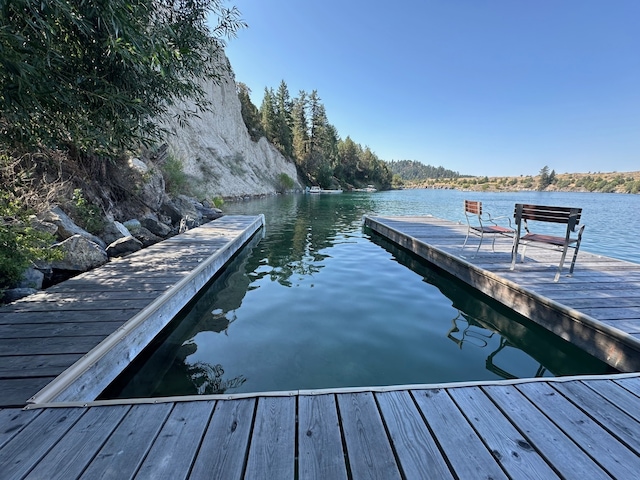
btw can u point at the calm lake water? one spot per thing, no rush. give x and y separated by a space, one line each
320 303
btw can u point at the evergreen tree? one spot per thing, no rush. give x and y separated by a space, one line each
250 113
268 115
283 134
544 178
349 153
300 128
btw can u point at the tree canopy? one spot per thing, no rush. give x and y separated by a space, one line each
92 75
414 170
300 129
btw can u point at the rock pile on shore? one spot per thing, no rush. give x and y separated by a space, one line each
83 251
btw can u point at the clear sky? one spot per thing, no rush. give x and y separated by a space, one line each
482 87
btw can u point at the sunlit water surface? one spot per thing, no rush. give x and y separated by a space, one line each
320 303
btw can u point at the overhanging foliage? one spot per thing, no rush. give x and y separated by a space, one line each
93 74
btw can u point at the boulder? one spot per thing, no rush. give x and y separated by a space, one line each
153 192
113 231
42 226
123 246
32 278
155 226
132 225
66 227
80 254
181 207
13 294
146 237
208 213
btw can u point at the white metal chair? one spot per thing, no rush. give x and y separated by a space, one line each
482 223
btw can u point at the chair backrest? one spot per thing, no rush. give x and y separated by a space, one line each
472 206
543 213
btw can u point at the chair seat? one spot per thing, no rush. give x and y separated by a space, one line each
496 229
550 239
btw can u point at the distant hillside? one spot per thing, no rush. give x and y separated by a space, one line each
611 182
412 170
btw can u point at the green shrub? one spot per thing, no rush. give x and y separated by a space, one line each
284 183
20 244
87 215
175 179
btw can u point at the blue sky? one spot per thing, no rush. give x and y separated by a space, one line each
482 87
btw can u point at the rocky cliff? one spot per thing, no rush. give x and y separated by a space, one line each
217 151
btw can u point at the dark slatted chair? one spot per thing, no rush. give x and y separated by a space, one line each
523 214
482 223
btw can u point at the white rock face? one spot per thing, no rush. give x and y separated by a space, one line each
218 152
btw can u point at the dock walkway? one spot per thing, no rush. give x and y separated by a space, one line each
44 334
574 428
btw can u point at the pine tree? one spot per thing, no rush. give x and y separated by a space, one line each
300 128
250 113
268 115
544 178
283 134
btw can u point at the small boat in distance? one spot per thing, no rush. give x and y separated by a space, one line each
317 189
369 188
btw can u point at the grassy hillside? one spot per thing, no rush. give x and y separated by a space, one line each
613 182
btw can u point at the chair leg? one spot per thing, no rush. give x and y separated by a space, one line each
573 260
514 251
479 243
465 240
564 254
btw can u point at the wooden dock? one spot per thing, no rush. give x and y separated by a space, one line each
579 427
597 309
113 312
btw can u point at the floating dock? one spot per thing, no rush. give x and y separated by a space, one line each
580 427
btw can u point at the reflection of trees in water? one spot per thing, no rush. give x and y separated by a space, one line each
208 379
298 227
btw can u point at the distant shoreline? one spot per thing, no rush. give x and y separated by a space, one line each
613 182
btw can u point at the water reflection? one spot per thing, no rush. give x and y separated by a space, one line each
483 323
317 304
476 337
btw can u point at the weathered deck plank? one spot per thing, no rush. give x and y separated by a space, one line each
225 444
618 460
465 451
320 453
175 448
553 443
23 452
69 457
272 449
619 423
513 452
368 449
417 451
123 453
